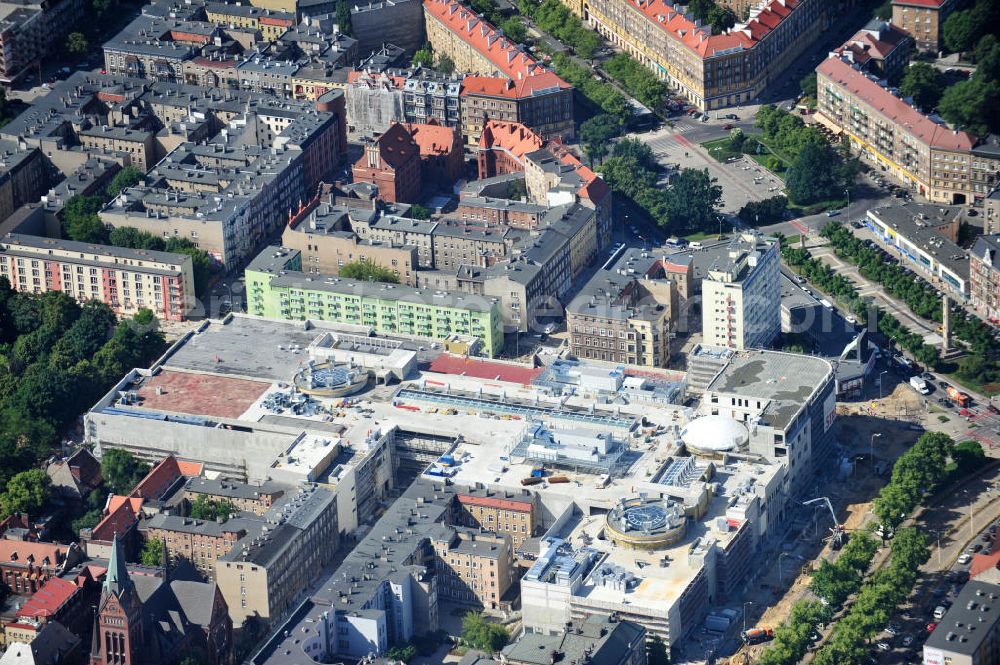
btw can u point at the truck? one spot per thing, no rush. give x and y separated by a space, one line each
826 303
757 635
919 385
958 397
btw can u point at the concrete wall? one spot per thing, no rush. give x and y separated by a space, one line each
398 22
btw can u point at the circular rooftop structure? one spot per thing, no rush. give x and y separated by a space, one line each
331 380
712 435
646 524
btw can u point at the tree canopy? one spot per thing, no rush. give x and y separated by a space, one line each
924 83
152 552
483 635
80 219
368 271
693 201
204 508
129 176
121 470
26 492
596 134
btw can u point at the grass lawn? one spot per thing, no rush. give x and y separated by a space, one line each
791 240
781 171
815 208
719 149
702 235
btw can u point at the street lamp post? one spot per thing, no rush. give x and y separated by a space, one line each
937 535
972 525
881 374
871 450
749 602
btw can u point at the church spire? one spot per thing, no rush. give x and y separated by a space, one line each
117 581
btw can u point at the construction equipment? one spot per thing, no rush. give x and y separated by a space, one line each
836 536
958 397
757 635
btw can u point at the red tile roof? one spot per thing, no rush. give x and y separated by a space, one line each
46 601
506 56
19 551
496 86
447 363
865 45
115 523
395 147
893 108
520 505
161 478
513 137
372 79
432 139
682 28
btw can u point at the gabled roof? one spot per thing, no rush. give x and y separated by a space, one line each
509 58
116 523
495 86
162 477
432 139
51 645
893 108
512 137
25 551
45 602
395 146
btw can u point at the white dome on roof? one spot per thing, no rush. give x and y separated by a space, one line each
714 434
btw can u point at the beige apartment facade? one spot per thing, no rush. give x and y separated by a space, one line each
924 20
517 516
476 567
326 253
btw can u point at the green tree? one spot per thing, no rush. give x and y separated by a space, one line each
26 492
813 175
514 29
961 31
121 470
445 64
129 176
721 19
808 85
884 10
201 262
343 16
204 508
80 219
404 653
924 83
418 211
693 201
480 634
637 150
596 133
368 271
126 236
76 43
152 553
969 105
988 58
424 57
968 456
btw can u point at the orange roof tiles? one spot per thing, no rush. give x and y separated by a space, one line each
700 39
19 551
919 3
893 108
495 86
519 505
513 137
447 363
432 139
864 45
115 523
160 478
505 55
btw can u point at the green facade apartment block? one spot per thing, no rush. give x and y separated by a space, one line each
277 289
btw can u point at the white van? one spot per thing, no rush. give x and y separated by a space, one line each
695 245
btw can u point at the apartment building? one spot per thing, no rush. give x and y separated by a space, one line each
200 542
604 639
944 165
474 567
125 279
984 277
265 571
710 71
625 313
505 513
325 237
24 176
880 48
924 20
991 212
29 30
271 24
277 288
741 295
379 22
543 102
473 44
255 498
375 100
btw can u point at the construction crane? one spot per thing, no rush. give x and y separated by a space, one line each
836 536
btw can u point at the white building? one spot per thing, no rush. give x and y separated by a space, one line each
741 295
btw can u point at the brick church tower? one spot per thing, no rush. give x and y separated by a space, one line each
118 624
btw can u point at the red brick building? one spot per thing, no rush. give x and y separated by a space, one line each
502 147
392 163
441 161
25 566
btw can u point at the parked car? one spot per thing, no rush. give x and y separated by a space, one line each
908 640
884 646
931 626
832 213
